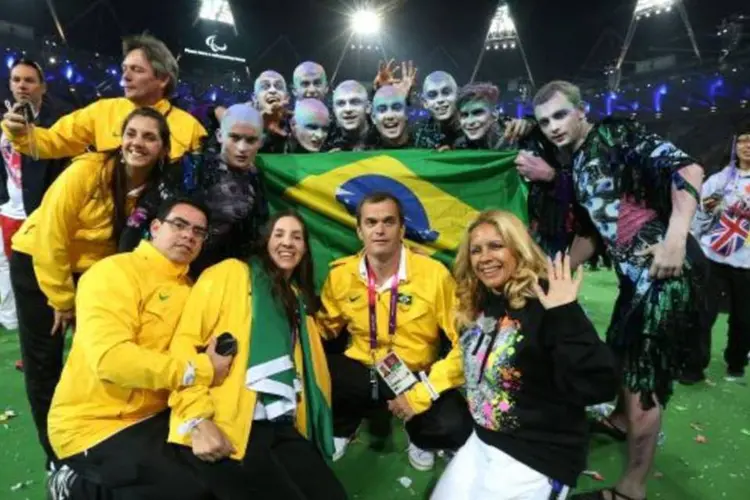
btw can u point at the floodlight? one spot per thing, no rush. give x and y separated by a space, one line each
216 10
365 22
502 32
644 8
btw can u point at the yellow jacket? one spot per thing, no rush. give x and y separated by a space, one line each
72 228
100 125
221 302
118 371
426 305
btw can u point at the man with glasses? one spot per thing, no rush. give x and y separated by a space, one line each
108 422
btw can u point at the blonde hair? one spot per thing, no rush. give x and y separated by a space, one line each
571 92
531 265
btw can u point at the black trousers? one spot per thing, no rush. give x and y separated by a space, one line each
135 464
279 463
42 353
735 283
446 425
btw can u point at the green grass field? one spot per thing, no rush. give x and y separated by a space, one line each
685 469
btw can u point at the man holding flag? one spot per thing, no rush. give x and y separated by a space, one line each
393 302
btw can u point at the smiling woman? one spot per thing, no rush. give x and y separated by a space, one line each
77 224
532 361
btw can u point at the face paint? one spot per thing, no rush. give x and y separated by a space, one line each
350 105
241 135
310 125
560 121
439 94
310 81
476 117
389 112
270 91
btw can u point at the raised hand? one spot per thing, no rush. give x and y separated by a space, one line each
386 74
563 287
517 129
408 77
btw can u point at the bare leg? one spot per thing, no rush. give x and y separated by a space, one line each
643 434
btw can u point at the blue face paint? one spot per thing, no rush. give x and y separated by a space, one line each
240 113
311 121
389 112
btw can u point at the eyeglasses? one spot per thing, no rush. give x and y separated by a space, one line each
181 225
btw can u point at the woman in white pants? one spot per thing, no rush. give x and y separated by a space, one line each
532 362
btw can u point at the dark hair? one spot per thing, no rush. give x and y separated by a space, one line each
302 276
478 92
743 128
158 55
166 206
379 197
32 64
118 183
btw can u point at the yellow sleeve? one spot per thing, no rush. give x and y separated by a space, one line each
330 317
448 372
108 309
198 320
198 134
56 222
68 137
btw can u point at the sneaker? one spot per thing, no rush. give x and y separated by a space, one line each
420 459
340 445
59 482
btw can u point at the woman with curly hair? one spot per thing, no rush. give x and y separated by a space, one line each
532 362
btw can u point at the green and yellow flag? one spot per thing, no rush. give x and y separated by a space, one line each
441 193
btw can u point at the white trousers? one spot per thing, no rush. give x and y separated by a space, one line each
8 318
482 472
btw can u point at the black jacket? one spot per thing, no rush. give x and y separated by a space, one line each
537 370
37 175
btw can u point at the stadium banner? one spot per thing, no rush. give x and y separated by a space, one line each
440 192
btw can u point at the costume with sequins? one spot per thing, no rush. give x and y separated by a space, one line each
623 177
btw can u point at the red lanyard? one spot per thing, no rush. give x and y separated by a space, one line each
372 301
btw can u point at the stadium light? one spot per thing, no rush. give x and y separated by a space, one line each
366 22
645 8
502 33
216 10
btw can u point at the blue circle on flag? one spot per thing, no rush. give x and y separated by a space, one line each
350 193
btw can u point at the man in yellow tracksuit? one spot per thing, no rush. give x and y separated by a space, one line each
108 422
149 78
394 301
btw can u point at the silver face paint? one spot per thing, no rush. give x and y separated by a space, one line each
476 119
310 81
439 94
389 113
350 105
270 91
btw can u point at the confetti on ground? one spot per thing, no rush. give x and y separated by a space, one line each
20 486
7 415
701 439
745 432
594 475
658 475
696 427
710 383
405 482
680 408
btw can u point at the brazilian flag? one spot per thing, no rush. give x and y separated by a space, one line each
441 193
